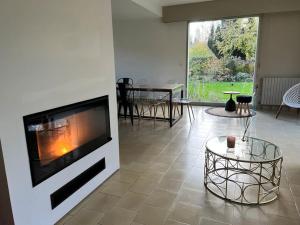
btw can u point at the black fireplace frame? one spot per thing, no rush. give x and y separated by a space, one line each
71 157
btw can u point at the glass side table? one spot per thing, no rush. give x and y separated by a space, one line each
248 174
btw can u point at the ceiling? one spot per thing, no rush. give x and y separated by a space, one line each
128 10
138 9
177 2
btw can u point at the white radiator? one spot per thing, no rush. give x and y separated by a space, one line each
273 89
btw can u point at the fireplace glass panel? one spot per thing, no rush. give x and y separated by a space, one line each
57 138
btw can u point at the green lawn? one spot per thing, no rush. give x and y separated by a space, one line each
213 91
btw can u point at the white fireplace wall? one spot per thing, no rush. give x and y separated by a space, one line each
53 53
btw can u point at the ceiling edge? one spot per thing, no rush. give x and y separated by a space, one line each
150 6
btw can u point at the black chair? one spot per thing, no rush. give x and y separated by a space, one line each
125 80
126 100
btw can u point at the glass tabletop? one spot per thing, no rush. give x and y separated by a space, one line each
251 150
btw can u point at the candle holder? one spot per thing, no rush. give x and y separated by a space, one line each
231 141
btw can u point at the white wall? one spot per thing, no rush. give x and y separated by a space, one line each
279 44
53 53
279 47
149 49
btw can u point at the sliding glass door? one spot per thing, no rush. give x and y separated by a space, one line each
221 57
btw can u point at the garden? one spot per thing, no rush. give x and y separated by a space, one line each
222 58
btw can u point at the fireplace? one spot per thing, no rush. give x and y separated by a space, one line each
58 137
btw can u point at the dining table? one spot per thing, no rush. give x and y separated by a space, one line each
170 90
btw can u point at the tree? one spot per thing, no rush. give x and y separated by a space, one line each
236 38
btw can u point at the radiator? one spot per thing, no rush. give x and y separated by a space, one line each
273 89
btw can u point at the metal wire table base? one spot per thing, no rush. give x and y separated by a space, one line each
247 183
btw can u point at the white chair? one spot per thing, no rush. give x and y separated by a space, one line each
291 99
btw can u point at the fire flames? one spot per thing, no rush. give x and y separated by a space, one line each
54 142
60 137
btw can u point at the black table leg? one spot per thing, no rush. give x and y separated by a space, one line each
171 108
181 95
131 113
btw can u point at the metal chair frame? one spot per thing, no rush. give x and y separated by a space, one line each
291 99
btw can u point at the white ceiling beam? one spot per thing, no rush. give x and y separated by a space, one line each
152 6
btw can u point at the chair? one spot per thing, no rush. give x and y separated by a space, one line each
149 102
291 99
177 101
126 100
184 101
125 80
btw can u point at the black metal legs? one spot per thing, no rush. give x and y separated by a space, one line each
279 110
181 96
171 108
125 107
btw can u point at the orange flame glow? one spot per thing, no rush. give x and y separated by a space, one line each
59 138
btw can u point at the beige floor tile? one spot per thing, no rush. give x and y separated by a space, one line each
173 150
125 176
293 178
185 213
297 199
85 217
296 190
249 215
148 215
144 186
152 175
63 220
77 208
197 185
118 216
170 185
285 194
159 167
172 222
189 196
132 201
116 188
137 167
165 158
279 220
182 165
217 211
179 175
240 221
100 203
146 158
209 221
198 197
161 199
282 208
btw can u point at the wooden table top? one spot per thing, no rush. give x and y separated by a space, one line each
157 88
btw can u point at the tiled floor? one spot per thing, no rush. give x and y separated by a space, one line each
161 177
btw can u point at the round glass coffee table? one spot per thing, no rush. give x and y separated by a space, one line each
247 174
